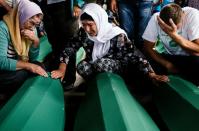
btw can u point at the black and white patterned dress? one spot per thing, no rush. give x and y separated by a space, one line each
121 53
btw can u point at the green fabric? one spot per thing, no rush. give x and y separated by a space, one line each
110 107
79 3
45 48
37 106
159 47
80 55
178 104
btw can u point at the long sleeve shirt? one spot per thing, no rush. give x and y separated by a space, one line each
8 55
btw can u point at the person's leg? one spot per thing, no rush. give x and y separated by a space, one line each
126 18
10 81
85 69
70 75
144 10
88 70
57 25
107 65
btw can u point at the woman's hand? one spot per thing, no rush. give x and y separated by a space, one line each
37 69
158 78
58 74
30 35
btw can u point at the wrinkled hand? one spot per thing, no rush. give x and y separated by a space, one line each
76 11
157 79
30 35
113 6
171 30
58 74
37 70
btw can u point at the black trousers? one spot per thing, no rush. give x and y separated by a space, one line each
11 81
59 24
60 27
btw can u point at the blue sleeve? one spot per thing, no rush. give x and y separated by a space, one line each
5 62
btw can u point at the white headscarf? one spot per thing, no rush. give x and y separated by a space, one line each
106 31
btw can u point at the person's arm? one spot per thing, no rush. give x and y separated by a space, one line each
5 5
34 48
190 46
149 50
36 69
78 4
73 46
10 64
113 5
31 35
60 72
150 36
64 59
5 62
135 57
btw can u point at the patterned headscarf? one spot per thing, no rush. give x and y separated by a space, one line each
26 10
194 4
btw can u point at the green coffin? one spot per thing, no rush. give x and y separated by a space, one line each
45 48
37 106
109 106
178 104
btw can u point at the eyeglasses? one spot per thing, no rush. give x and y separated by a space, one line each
34 21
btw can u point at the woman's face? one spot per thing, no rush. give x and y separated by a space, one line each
90 27
33 21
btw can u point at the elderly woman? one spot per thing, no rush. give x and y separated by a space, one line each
19 45
107 48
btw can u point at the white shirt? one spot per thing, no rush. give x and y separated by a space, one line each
189 30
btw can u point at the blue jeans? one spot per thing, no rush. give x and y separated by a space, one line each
134 17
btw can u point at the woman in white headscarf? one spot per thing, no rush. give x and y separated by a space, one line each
19 44
107 48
